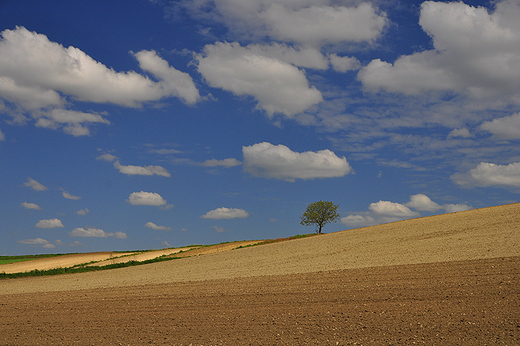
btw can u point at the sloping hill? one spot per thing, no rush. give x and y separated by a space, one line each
475 234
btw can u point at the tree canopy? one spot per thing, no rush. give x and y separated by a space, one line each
320 213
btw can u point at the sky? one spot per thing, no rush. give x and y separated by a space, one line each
136 125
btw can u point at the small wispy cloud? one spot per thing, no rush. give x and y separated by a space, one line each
219 229
33 184
96 233
30 206
38 242
225 213
227 163
67 195
155 227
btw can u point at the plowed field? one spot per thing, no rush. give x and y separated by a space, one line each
452 279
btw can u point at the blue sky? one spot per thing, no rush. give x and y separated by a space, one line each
149 124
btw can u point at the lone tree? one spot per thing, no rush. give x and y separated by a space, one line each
320 213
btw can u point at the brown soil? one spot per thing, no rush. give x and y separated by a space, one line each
445 280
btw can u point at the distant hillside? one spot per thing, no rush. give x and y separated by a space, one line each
475 234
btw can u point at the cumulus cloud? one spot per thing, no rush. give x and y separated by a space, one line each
276 85
461 133
67 195
35 71
140 170
507 128
222 163
357 220
386 211
50 223
33 184
38 241
82 211
476 53
379 212
323 24
387 208
95 233
172 82
30 206
279 162
40 77
423 203
225 213
307 57
147 198
304 22
344 64
490 174
158 228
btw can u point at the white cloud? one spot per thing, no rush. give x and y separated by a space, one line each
344 64
140 170
95 233
173 82
278 86
73 122
30 206
223 163
357 220
306 57
146 198
35 71
165 244
74 243
33 184
2 136
423 203
38 241
504 128
386 211
280 162
120 235
323 24
307 22
476 53
387 208
50 223
106 157
134 170
67 195
451 208
165 151
219 229
462 133
155 227
490 174
225 213
82 211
